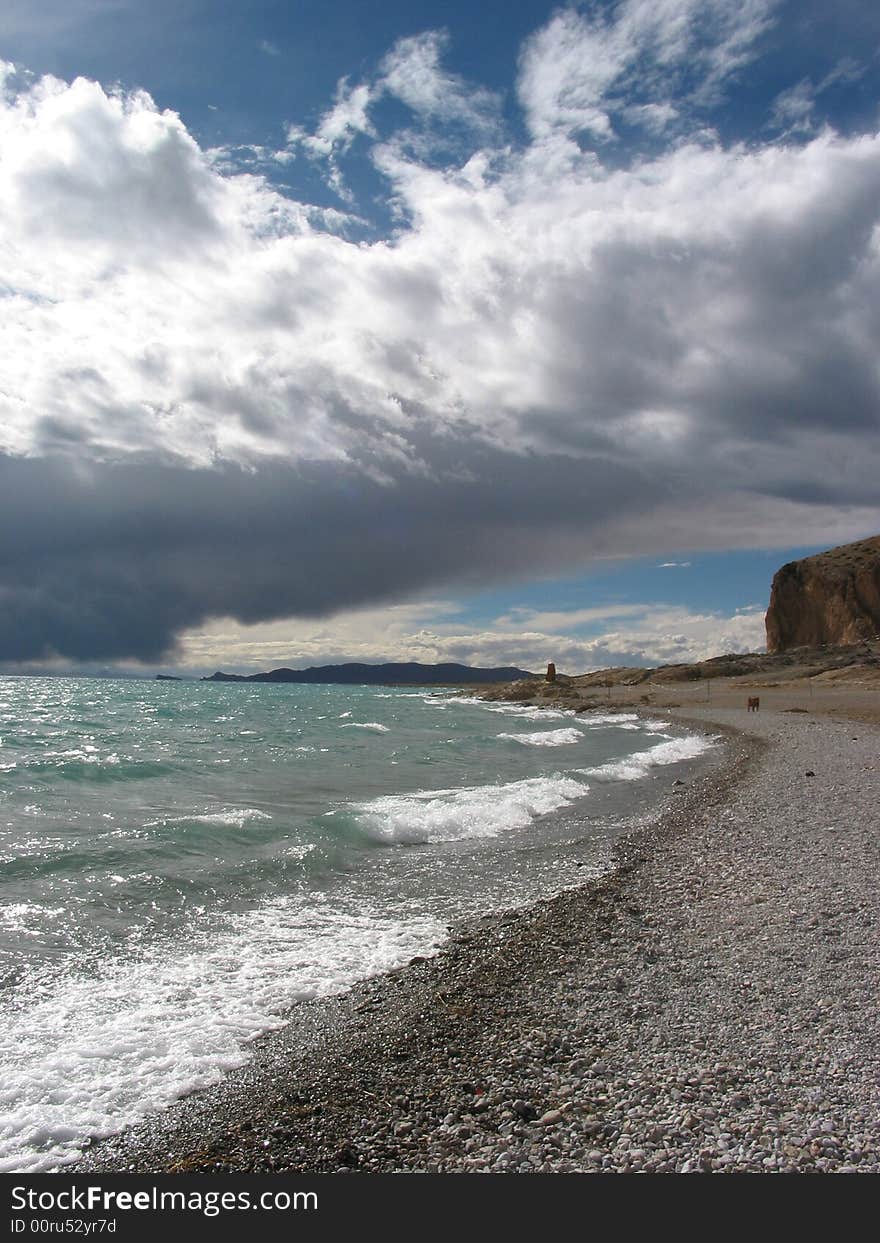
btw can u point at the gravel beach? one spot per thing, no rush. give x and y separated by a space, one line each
711 1005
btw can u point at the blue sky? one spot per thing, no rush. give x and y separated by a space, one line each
500 333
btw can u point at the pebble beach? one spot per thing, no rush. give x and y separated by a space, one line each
710 1005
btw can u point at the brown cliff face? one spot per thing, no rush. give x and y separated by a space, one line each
832 598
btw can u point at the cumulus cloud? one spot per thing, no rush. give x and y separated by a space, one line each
212 403
647 634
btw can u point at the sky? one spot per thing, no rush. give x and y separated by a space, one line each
497 333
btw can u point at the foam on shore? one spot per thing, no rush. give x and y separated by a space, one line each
476 812
547 738
639 765
89 1056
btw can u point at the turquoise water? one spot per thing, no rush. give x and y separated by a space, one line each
181 862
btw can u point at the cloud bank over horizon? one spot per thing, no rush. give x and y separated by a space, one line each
432 632
618 336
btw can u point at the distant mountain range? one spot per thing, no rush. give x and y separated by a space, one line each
410 674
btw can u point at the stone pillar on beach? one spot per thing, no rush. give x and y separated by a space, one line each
551 672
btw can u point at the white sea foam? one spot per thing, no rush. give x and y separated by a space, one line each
374 726
80 755
609 718
472 812
638 765
526 712
547 738
235 817
92 1056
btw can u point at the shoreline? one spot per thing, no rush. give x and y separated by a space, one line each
644 1021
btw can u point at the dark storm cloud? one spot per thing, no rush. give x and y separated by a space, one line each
114 562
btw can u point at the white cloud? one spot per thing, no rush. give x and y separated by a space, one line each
413 73
582 69
793 108
700 307
336 131
567 619
653 634
341 124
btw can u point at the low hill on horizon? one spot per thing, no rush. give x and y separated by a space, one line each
393 674
803 662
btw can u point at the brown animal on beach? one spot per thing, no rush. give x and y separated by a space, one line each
754 704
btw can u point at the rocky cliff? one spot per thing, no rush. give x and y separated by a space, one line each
832 598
